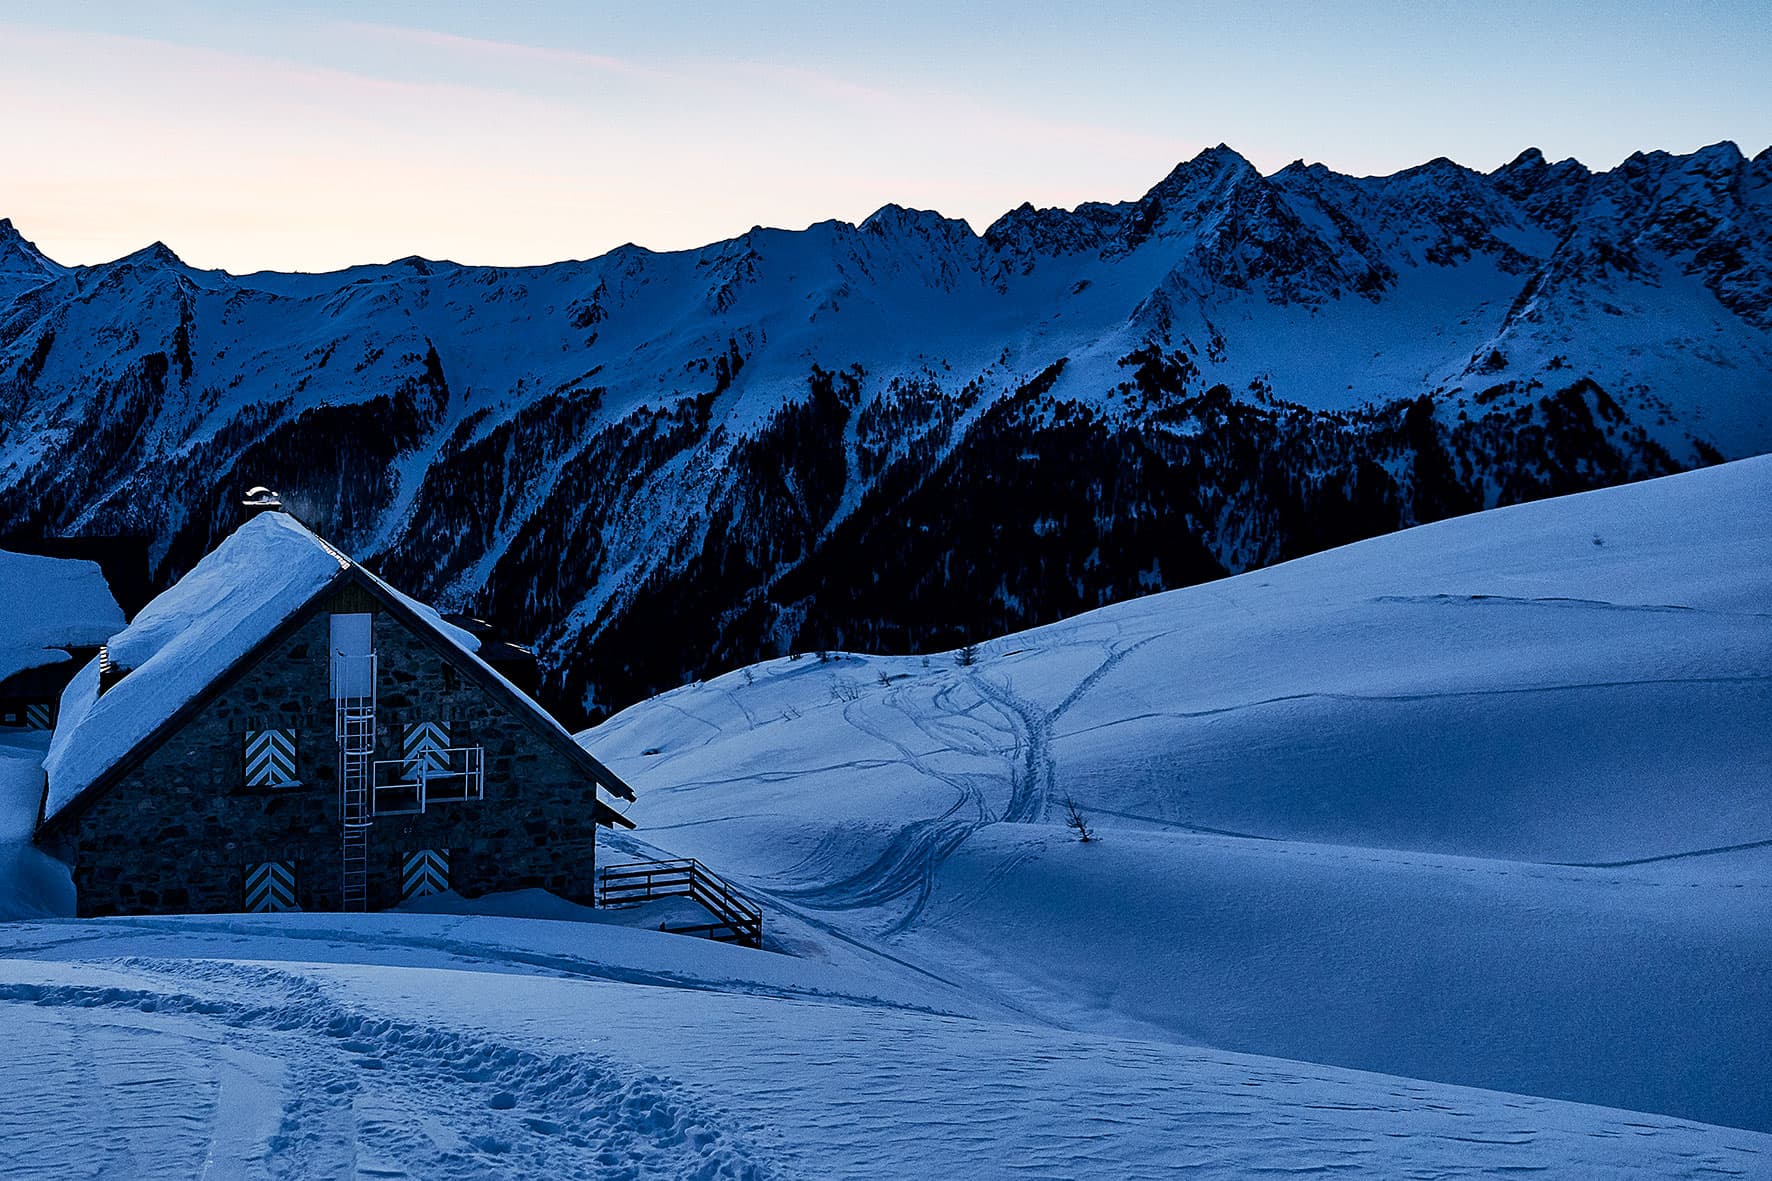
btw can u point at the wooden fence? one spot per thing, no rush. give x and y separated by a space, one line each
736 918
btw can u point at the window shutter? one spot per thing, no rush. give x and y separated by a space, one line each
425 872
426 743
270 758
270 886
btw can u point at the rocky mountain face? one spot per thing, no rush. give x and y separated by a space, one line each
902 434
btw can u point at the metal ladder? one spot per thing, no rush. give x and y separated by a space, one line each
354 722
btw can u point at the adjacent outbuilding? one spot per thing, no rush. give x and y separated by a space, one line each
54 614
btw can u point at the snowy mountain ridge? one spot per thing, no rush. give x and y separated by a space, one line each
902 432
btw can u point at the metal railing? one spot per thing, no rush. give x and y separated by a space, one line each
737 918
414 785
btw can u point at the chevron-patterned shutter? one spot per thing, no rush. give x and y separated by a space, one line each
270 886
425 744
39 715
270 757
426 872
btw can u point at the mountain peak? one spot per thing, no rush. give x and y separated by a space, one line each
1208 169
891 218
1720 157
19 256
155 254
1223 157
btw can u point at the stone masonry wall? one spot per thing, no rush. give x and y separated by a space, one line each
179 831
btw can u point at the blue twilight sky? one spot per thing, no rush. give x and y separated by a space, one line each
310 135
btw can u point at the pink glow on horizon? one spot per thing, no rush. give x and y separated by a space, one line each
322 141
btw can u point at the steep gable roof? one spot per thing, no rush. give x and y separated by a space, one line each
182 647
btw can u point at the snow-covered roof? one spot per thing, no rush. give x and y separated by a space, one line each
201 626
47 604
263 575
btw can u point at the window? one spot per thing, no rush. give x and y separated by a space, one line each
270 886
270 758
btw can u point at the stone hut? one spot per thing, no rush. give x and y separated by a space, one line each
282 729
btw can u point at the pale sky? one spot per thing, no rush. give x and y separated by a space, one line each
318 134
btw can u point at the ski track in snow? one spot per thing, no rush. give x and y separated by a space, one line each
1510 691
908 864
377 1096
910 861
1461 720
225 1068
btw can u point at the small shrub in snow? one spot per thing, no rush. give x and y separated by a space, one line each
844 689
885 678
967 656
750 678
1076 821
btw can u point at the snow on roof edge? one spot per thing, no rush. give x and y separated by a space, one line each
201 627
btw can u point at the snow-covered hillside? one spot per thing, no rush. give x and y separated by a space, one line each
903 432
1483 802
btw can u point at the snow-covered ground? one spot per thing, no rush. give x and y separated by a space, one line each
1484 802
1482 805
32 884
194 1067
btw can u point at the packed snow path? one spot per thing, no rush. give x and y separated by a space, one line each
428 1072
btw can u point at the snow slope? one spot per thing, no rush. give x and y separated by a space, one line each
1339 805
1482 802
